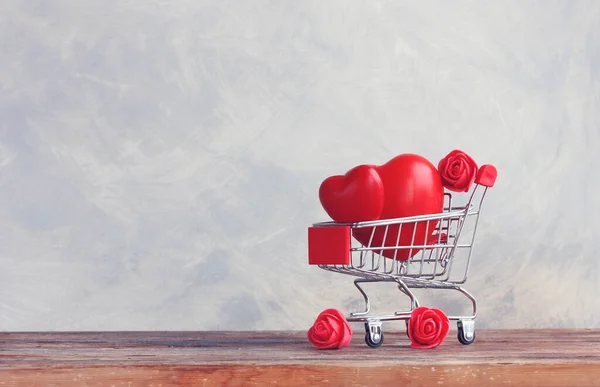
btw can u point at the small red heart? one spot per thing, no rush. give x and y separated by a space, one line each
356 196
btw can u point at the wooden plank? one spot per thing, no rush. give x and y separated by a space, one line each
523 357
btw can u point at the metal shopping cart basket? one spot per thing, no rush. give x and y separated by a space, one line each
431 264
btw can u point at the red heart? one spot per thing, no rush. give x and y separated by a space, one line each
412 186
354 197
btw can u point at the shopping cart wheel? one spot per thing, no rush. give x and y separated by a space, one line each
466 331
374 336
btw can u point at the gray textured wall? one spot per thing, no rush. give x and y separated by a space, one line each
160 161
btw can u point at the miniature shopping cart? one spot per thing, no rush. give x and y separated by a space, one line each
433 263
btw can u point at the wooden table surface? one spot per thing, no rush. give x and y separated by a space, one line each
522 358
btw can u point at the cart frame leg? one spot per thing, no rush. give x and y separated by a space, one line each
414 302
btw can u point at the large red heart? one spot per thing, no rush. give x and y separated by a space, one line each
354 197
412 186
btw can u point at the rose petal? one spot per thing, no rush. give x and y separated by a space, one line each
320 327
414 324
421 322
330 345
321 332
347 336
332 313
463 181
435 328
336 330
314 339
456 171
423 346
442 164
458 164
332 319
445 323
332 322
429 328
426 335
462 157
448 175
417 328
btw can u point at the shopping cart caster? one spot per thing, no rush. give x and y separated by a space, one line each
374 336
466 331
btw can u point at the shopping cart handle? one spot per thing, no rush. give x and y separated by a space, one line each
486 175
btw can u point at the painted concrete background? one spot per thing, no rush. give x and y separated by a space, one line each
160 161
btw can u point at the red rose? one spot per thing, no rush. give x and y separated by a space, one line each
458 171
330 330
427 327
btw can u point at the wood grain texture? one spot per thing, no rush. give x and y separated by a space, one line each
524 358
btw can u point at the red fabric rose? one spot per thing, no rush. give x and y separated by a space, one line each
458 171
427 327
330 330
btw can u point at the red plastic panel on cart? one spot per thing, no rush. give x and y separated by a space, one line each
329 245
486 175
